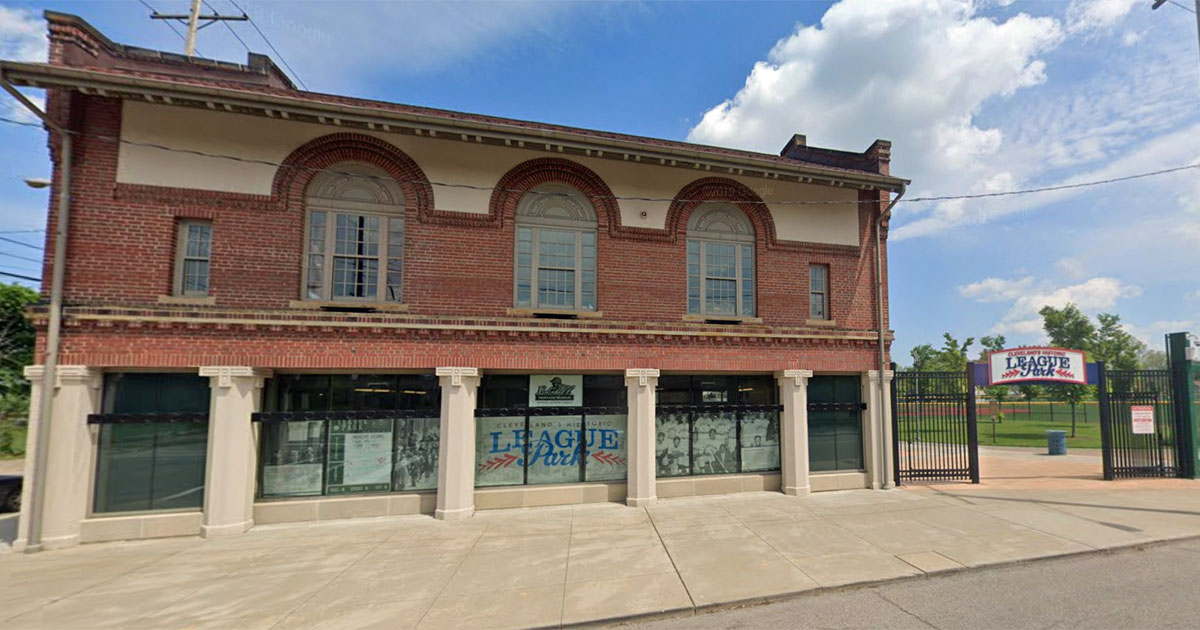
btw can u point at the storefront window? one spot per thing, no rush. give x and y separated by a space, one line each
546 429
716 424
336 434
152 442
835 423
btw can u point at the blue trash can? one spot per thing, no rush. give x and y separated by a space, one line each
1056 442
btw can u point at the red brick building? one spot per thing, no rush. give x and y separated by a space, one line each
282 305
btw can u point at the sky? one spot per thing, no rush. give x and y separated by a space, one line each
977 96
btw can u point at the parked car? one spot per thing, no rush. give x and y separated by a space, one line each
10 493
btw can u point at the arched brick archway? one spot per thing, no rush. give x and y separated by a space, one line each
306 162
527 175
720 189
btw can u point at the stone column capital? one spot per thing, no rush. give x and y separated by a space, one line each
222 375
454 376
799 376
67 374
641 376
887 375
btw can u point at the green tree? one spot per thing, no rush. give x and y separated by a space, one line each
953 355
1114 345
17 339
1068 327
1150 359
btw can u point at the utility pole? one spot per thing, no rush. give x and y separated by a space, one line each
1196 12
192 19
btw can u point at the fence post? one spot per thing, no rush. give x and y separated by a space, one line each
895 426
1105 419
972 425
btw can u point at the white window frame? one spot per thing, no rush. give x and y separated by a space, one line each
537 224
739 232
823 293
390 215
181 257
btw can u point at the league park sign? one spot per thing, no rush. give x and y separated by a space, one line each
1023 365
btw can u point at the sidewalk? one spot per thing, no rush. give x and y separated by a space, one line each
552 566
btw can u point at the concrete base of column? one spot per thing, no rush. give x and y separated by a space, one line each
640 501
57 542
231 529
454 515
797 491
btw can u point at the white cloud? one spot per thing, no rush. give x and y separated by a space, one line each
1093 15
22 35
1152 334
1094 295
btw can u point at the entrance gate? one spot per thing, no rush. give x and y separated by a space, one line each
933 421
1138 424
935 431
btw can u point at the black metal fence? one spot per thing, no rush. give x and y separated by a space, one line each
933 422
1139 424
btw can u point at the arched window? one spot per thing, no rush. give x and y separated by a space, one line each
355 244
720 261
556 250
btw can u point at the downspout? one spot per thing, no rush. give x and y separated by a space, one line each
53 335
883 398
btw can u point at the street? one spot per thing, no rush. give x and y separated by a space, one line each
1152 587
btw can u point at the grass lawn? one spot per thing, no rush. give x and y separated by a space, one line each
1033 433
18 438
1024 425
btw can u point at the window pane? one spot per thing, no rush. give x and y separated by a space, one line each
355 277
359 458
714 443
556 248
816 306
720 296
395 277
199 238
363 392
747 280
316 233
587 281
500 451
760 441
293 458
556 287
672 445
719 260
816 276
605 447
524 266
150 466
195 276
693 276
555 449
416 454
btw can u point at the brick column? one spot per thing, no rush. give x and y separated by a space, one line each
640 436
456 448
879 458
232 456
793 393
68 457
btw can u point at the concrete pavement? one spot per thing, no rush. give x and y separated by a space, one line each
1152 587
551 566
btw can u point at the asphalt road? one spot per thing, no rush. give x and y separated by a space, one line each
1154 587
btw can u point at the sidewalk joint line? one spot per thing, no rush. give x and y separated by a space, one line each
670 557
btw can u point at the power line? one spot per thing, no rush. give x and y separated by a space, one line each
23 231
36 260
272 46
231 29
245 160
1183 6
169 25
16 242
22 277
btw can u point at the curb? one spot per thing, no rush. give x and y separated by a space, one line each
688 611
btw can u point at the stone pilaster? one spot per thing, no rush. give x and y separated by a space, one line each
880 460
68 456
232 456
456 450
793 393
639 440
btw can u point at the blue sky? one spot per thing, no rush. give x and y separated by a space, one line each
979 96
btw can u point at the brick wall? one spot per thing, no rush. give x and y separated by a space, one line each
123 243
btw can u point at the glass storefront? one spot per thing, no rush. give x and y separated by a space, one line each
550 428
716 424
835 432
152 443
337 434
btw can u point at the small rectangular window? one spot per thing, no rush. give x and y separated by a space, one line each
194 252
818 291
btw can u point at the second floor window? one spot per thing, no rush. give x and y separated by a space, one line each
192 259
818 291
355 245
720 262
556 250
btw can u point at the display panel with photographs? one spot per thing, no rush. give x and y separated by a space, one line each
294 461
500 451
555 449
415 459
360 456
605 443
714 443
716 424
673 453
760 441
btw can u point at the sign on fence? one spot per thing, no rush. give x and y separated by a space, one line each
1143 419
1022 365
